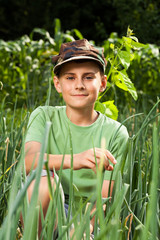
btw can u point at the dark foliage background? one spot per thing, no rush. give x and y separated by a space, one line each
95 19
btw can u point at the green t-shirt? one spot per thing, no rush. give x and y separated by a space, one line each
83 138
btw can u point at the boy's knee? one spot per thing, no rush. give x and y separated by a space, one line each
43 195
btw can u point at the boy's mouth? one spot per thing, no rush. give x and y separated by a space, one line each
80 95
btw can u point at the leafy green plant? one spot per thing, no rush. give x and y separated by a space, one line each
143 70
119 56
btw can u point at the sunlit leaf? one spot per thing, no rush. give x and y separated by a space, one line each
132 44
124 57
100 107
122 81
111 109
108 108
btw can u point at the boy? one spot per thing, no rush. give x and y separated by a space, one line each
79 76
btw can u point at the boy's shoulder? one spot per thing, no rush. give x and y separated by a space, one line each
112 125
48 109
108 120
46 112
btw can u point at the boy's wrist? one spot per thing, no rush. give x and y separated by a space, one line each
67 161
76 158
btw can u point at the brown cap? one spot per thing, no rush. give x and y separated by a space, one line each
79 49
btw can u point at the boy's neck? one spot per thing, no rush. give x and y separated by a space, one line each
81 117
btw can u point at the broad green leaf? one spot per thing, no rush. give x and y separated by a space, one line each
124 57
100 107
108 108
122 81
137 45
132 44
111 109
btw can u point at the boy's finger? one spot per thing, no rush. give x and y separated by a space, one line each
109 168
107 154
110 157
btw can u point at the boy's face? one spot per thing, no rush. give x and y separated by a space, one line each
80 84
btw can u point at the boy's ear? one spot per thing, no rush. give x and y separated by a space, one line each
103 83
57 84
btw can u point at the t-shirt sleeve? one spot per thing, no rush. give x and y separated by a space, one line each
118 147
36 126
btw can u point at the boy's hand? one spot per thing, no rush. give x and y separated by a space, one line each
87 159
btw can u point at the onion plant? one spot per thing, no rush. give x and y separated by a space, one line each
132 212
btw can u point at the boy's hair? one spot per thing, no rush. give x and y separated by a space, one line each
78 50
58 70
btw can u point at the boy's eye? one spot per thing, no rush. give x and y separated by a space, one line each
70 78
88 77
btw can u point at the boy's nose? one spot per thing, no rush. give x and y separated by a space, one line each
79 84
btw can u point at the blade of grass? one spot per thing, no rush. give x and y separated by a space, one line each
113 213
56 196
13 209
71 175
34 199
151 221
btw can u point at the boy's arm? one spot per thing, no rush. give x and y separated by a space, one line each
32 153
84 159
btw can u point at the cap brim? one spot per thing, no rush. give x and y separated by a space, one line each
78 58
